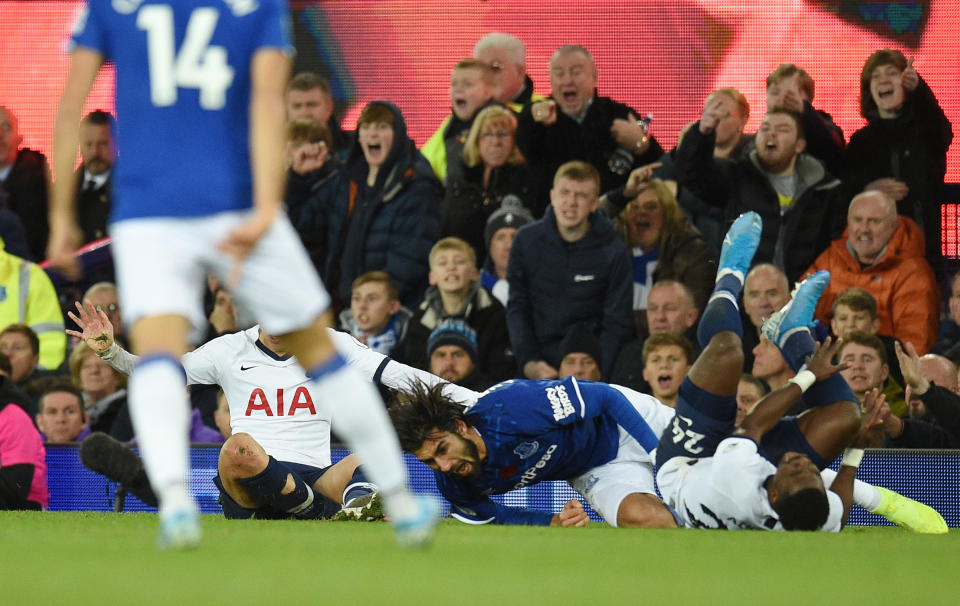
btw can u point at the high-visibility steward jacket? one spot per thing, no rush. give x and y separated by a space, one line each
27 297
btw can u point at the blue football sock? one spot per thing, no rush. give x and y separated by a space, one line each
729 282
721 314
797 347
358 486
268 484
828 391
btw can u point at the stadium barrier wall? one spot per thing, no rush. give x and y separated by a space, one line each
930 476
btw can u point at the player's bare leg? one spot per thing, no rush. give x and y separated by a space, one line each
640 510
252 478
361 419
829 429
337 479
160 410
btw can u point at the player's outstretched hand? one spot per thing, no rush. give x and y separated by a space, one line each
97 330
572 514
821 362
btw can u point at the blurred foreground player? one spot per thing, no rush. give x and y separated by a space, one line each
200 90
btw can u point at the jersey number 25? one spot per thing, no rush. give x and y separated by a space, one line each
196 64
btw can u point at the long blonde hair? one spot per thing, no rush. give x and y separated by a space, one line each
493 113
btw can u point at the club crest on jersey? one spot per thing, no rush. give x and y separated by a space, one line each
525 450
259 402
560 402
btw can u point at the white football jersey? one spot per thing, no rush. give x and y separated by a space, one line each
268 395
727 489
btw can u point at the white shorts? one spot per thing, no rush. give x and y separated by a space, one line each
631 471
162 265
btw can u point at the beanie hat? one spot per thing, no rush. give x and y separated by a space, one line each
581 339
454 331
511 213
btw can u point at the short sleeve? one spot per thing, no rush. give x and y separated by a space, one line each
275 31
835 516
88 31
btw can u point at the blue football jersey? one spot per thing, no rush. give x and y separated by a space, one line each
536 431
183 98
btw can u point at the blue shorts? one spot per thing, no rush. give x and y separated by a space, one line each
701 422
308 473
786 437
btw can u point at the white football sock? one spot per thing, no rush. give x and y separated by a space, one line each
160 410
360 418
865 495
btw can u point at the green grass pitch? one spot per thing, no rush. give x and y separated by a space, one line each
105 559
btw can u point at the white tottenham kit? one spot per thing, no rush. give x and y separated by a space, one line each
268 395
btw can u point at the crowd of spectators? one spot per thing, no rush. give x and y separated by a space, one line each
541 236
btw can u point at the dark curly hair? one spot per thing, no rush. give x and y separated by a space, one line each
419 412
805 509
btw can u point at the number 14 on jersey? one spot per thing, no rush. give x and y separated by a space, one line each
196 64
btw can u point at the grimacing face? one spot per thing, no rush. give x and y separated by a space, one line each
451 453
871 222
573 201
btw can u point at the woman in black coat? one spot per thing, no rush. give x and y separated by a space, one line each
496 170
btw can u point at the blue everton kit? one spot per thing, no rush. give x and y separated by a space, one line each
536 431
183 82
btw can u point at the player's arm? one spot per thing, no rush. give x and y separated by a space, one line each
64 233
771 409
594 399
386 371
469 506
489 511
269 71
842 484
96 331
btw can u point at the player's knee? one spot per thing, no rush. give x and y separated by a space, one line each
242 455
848 417
644 511
727 346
